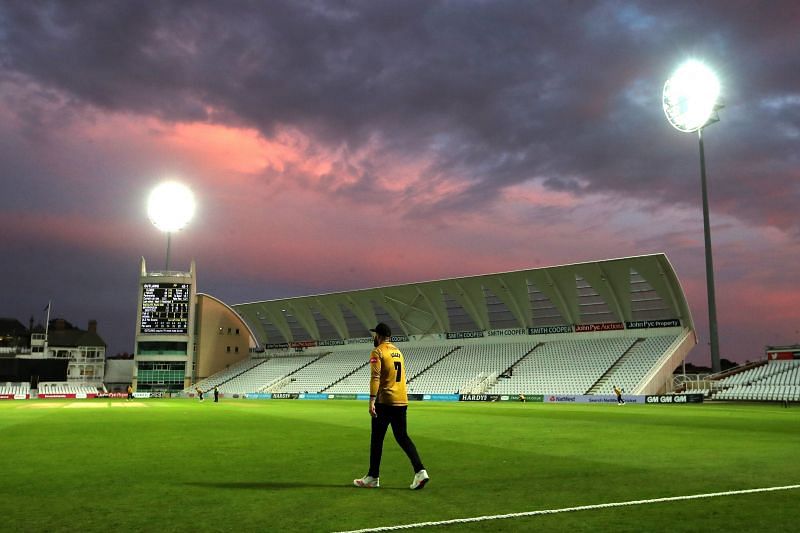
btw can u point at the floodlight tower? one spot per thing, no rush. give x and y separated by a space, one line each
170 207
691 101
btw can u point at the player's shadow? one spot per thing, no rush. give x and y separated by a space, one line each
273 485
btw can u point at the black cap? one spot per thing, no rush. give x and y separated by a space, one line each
382 329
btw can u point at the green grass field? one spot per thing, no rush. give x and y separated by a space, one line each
282 465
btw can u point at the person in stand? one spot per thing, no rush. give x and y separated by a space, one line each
216 394
130 393
199 393
618 392
388 406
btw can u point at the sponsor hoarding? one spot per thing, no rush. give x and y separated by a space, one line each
284 395
591 398
314 396
440 397
642 324
549 330
478 397
603 326
276 346
476 334
674 399
331 342
506 332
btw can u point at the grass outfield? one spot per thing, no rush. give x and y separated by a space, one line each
282 465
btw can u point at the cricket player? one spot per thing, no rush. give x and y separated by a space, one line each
388 403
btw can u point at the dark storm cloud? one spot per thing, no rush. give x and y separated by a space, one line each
483 95
496 93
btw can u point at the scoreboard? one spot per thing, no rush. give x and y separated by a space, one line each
165 308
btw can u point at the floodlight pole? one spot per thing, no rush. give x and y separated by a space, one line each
712 301
169 240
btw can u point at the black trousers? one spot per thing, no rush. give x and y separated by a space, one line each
395 416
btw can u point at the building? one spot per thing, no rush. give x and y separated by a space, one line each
84 349
14 337
182 336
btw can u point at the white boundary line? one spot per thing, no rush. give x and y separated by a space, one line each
570 509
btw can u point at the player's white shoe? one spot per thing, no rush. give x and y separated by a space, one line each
367 482
420 479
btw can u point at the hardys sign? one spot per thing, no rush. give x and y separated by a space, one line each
285 395
478 397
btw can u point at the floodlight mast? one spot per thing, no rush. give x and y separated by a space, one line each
690 102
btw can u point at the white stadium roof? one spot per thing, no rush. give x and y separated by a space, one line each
631 292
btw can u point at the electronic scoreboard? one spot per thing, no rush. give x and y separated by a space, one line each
165 308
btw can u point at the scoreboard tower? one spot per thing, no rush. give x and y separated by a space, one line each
164 350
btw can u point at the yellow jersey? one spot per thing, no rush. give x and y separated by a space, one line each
388 375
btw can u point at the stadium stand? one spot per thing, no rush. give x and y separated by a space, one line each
572 364
774 381
462 366
15 388
251 375
578 328
324 371
567 367
418 359
66 388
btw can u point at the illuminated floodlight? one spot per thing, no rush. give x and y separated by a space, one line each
690 102
691 96
170 206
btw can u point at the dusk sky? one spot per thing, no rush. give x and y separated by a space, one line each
343 145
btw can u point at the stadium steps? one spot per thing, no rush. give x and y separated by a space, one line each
622 358
442 358
345 376
277 384
769 377
508 372
736 370
203 385
296 370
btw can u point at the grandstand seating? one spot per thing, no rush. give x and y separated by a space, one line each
569 366
58 387
633 366
774 381
452 373
15 388
251 375
417 359
225 375
324 371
